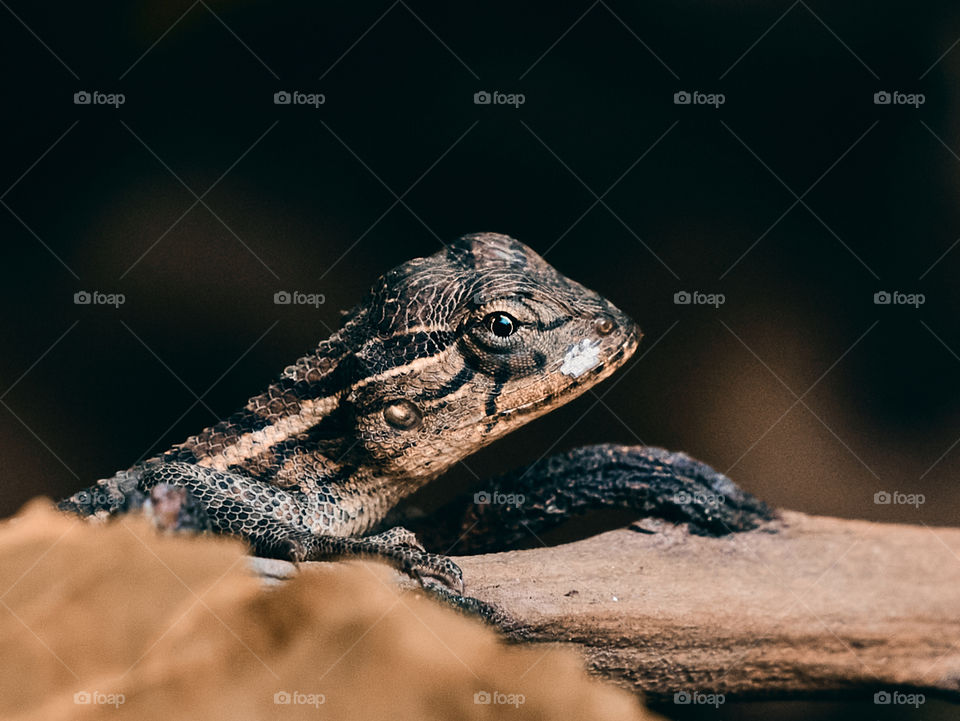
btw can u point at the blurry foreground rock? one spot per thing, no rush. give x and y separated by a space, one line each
117 622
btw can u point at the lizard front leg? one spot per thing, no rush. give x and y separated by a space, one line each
290 523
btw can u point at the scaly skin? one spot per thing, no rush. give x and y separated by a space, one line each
444 355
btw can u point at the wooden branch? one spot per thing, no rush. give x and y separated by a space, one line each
805 606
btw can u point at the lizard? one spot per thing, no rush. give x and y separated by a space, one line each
444 355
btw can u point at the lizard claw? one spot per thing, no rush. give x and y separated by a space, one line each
405 556
440 568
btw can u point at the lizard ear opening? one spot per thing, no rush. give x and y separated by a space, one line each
402 415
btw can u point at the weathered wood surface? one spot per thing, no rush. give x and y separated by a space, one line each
805 606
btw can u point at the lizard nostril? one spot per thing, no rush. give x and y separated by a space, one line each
604 325
402 414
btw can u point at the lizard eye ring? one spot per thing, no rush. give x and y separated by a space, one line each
500 324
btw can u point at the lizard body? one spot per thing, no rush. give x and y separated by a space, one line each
443 356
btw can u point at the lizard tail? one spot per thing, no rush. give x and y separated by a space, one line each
652 481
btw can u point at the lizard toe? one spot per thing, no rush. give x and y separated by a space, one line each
398 536
440 568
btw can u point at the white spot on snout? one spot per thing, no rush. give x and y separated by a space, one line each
580 358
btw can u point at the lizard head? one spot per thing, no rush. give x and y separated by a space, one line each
459 348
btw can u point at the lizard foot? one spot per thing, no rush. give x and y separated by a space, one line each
407 558
441 568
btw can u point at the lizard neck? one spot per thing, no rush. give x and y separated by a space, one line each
367 496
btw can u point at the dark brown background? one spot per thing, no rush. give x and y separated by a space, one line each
311 206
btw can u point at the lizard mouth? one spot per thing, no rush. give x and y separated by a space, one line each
579 381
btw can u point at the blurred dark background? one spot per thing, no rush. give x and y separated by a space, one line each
800 386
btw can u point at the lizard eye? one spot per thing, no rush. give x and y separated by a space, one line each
500 324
